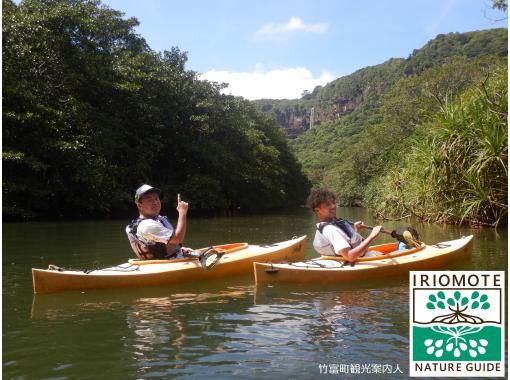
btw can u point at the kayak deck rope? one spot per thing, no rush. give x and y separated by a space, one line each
441 245
318 264
118 268
54 267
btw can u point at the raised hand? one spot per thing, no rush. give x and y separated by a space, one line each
182 207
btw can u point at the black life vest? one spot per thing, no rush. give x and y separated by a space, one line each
344 225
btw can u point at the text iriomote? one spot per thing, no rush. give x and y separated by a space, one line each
484 280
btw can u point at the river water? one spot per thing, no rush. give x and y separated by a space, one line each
226 329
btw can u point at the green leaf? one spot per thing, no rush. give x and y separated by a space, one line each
475 305
457 295
441 305
475 295
484 298
485 306
430 306
432 298
451 302
464 301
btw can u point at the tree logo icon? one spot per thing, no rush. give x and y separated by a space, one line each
458 306
456 320
461 310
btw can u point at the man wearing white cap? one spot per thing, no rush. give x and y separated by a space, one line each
152 236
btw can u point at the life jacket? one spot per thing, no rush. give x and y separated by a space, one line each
344 225
156 250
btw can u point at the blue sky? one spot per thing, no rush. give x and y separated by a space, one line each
278 48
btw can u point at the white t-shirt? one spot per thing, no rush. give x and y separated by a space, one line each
152 231
148 233
332 240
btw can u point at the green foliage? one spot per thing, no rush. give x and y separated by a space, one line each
90 112
456 169
467 45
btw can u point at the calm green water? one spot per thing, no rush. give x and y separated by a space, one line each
223 329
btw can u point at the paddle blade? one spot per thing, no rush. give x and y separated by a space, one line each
210 258
407 235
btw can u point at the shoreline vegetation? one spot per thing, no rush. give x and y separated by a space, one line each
90 112
429 140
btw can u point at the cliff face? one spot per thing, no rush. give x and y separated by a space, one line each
330 103
297 118
338 107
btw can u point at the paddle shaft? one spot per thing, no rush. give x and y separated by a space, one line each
382 229
409 239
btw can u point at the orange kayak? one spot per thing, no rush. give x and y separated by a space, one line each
330 269
238 259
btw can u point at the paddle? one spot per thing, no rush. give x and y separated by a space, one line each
208 258
406 235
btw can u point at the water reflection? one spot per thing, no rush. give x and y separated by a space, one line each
351 325
243 331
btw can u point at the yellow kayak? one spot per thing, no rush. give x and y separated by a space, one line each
238 259
331 269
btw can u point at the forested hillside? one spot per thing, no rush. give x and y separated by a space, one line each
344 95
90 112
449 108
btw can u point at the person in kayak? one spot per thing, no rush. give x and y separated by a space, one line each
337 237
152 236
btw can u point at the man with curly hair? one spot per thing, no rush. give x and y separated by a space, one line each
337 237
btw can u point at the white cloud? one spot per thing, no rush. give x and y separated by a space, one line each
295 24
285 83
